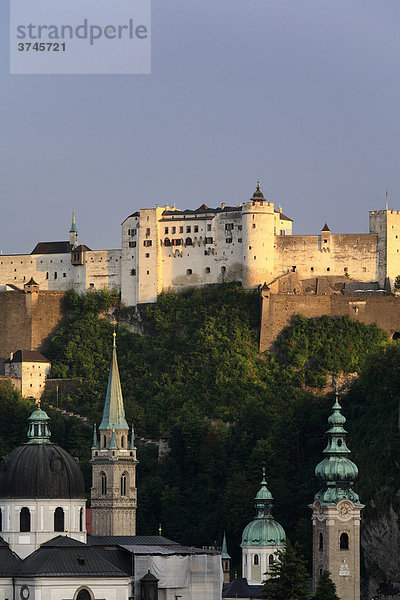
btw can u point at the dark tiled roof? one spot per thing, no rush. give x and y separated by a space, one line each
81 248
239 588
59 558
9 562
283 217
31 282
129 540
200 211
52 248
135 214
28 356
325 227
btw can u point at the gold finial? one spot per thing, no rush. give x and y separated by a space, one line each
159 529
263 472
114 334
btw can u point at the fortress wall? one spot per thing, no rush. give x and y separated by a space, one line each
26 320
277 309
316 256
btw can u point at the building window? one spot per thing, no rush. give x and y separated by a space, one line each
91 286
147 255
174 230
196 229
209 240
208 227
188 229
271 560
165 229
321 541
312 268
132 244
103 484
328 268
147 243
59 519
133 272
104 441
25 519
208 269
64 274
181 229
83 594
189 241
167 242
148 231
148 272
344 541
229 226
254 225
345 269
177 242
47 275
188 272
240 240
228 240
81 519
123 485
256 560
364 269
1 520
55 274
223 270
122 441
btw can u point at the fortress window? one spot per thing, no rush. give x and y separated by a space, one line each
165 229
256 559
91 286
249 247
254 257
240 240
174 230
148 230
59 519
167 241
64 274
189 242
325 241
209 240
55 274
132 244
229 226
25 519
148 272
188 229
208 227
364 269
147 243
312 268
208 269
133 272
344 541
188 272
223 270
196 229
181 229
321 541
328 268
147 255
294 269
228 240
254 225
282 232
345 269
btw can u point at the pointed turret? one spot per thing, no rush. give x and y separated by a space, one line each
132 442
73 232
95 443
114 412
226 561
258 195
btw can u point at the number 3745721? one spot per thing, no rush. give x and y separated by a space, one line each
42 47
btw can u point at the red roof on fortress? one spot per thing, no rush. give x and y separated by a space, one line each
52 248
27 356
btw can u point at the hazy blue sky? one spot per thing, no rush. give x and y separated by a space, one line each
302 95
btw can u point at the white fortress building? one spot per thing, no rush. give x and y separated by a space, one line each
165 249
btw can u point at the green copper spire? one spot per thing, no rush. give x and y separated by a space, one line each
114 413
95 443
337 472
39 432
224 553
132 442
73 224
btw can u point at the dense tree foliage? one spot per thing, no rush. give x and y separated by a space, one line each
326 589
289 577
198 374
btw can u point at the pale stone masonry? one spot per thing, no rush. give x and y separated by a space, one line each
167 249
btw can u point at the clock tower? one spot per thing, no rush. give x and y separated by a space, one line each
337 514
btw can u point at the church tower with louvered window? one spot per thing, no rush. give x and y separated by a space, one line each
113 493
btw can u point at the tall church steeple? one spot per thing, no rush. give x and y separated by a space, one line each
337 513
114 462
73 232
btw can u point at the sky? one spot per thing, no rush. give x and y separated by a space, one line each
301 95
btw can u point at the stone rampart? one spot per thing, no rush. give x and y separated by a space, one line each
27 319
277 309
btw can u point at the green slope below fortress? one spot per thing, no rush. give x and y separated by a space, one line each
196 373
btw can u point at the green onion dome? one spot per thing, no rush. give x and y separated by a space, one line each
264 530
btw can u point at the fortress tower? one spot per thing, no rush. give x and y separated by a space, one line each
386 224
114 462
336 514
73 232
258 222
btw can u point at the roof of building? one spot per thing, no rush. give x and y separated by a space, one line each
39 468
239 588
82 248
31 282
146 544
73 224
52 248
114 412
27 356
325 227
66 557
202 210
283 217
9 561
